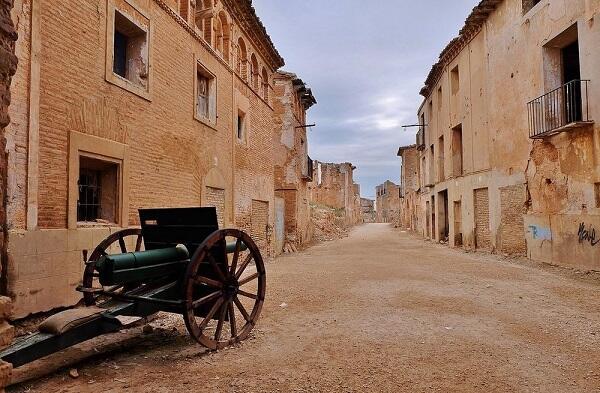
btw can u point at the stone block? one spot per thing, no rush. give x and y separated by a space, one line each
52 240
7 334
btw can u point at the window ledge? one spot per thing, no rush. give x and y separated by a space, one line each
125 84
207 122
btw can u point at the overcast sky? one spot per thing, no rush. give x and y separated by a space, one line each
366 62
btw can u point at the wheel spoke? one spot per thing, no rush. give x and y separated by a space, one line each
138 243
236 255
232 320
221 321
206 299
243 266
210 282
240 307
122 245
216 267
248 279
211 313
246 294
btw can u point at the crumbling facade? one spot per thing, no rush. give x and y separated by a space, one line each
410 216
508 146
333 186
293 166
367 209
8 67
168 103
387 204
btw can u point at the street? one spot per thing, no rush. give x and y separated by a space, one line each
378 311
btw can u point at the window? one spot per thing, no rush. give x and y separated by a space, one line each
457 151
597 194
441 158
455 80
130 51
254 72
205 95
529 4
440 98
265 84
241 125
242 59
97 187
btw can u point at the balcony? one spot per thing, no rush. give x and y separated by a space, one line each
559 110
421 138
307 169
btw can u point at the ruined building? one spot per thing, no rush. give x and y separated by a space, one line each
387 203
367 209
410 217
293 166
508 146
333 186
119 105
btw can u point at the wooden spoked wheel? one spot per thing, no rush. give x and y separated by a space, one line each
224 293
114 244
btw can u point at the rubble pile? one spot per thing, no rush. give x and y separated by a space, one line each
329 224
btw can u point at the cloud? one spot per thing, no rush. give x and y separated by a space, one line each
366 65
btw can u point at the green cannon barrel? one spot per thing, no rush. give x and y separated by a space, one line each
231 247
143 265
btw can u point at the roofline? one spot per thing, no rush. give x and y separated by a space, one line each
473 24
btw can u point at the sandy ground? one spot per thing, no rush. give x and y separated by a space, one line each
379 311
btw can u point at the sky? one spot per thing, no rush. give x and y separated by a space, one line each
366 62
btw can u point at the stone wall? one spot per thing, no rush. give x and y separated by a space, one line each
388 201
8 67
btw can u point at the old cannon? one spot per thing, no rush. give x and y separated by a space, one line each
180 262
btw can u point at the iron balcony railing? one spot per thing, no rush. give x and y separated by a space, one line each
560 109
308 169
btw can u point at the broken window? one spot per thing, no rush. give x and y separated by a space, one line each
98 194
130 51
205 94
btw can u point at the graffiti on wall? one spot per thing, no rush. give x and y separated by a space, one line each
540 233
587 234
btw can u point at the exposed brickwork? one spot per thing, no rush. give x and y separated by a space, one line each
367 210
260 223
482 218
513 200
215 197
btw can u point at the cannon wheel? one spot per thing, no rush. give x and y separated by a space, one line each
91 298
224 291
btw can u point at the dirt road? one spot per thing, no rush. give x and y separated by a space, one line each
379 311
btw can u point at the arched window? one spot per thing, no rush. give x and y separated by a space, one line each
218 35
265 84
224 39
254 72
242 59
208 23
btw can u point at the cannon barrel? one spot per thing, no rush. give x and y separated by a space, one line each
142 265
231 247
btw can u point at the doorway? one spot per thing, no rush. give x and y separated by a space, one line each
443 215
571 75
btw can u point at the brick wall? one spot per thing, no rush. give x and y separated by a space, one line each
8 66
173 159
482 218
513 201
